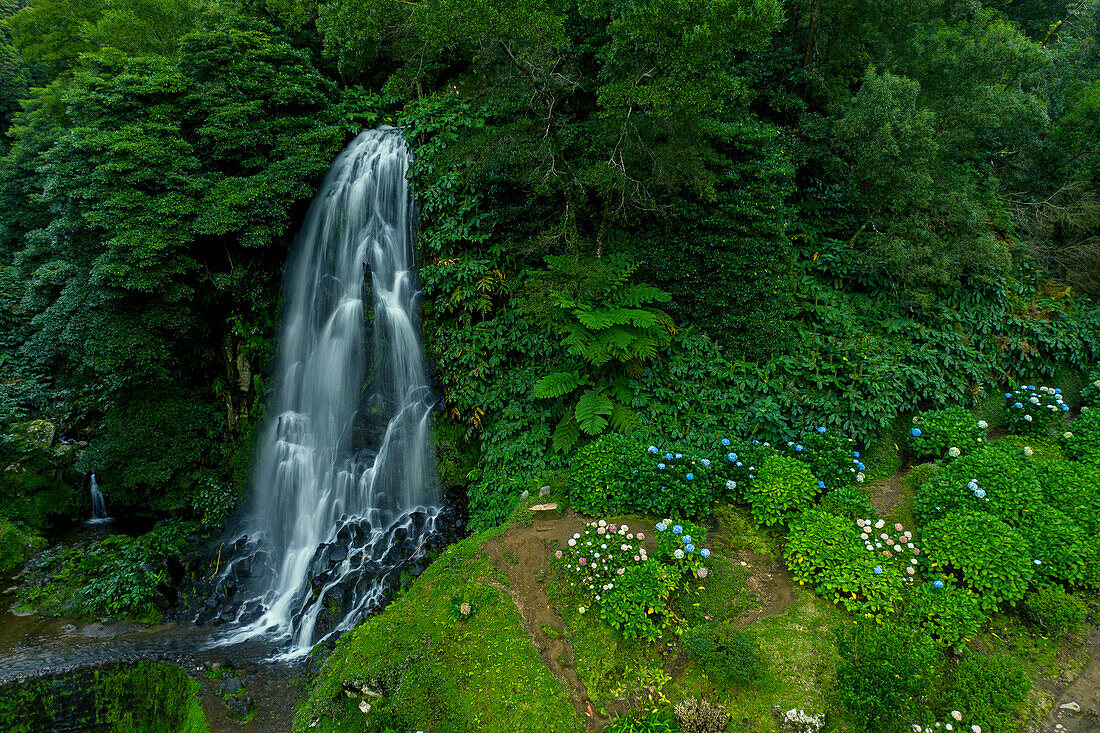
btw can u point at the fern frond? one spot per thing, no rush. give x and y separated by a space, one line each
592 411
565 435
557 384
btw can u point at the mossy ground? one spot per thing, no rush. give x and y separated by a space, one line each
438 672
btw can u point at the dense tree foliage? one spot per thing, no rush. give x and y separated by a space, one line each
635 216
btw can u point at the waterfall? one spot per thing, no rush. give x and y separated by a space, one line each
344 486
99 505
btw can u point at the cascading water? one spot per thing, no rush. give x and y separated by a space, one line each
99 505
344 489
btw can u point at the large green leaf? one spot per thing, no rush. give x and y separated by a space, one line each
565 434
558 383
592 411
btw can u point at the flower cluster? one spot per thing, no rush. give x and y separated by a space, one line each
893 543
680 542
672 480
598 556
978 491
1032 409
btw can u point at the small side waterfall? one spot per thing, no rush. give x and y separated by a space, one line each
344 490
99 505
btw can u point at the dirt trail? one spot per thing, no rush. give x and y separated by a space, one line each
1084 690
523 555
886 494
770 580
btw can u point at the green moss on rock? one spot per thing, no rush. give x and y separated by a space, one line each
438 673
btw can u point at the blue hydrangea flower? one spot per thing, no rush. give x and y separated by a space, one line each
790 443
704 552
689 476
739 463
689 548
980 493
916 432
751 476
677 528
855 453
937 583
1018 405
1058 390
661 466
860 466
704 461
653 449
668 456
1008 395
725 441
821 429
679 455
878 570
731 457
1065 407
686 539
821 484
798 447
661 526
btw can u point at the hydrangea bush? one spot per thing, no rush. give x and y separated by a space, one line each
1081 439
936 432
600 472
827 552
830 458
1090 395
783 488
995 480
951 615
982 552
607 564
1032 409
675 481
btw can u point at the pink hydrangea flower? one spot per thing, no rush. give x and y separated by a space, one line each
702 573
558 554
582 561
956 715
898 527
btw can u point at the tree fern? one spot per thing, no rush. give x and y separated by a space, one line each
558 383
592 411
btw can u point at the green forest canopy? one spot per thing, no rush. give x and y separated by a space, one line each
656 215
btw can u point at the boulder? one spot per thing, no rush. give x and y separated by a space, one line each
42 432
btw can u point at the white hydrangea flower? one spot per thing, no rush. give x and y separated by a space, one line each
1029 418
954 452
1028 451
678 554
860 477
1067 435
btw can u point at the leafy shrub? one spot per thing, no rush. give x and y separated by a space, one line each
847 501
676 482
936 432
607 564
726 653
699 716
737 463
680 542
883 674
1006 485
654 722
1090 395
1053 610
830 457
989 691
949 614
16 546
115 576
826 551
1082 438
1074 489
1056 543
635 601
983 552
1031 409
600 473
783 488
